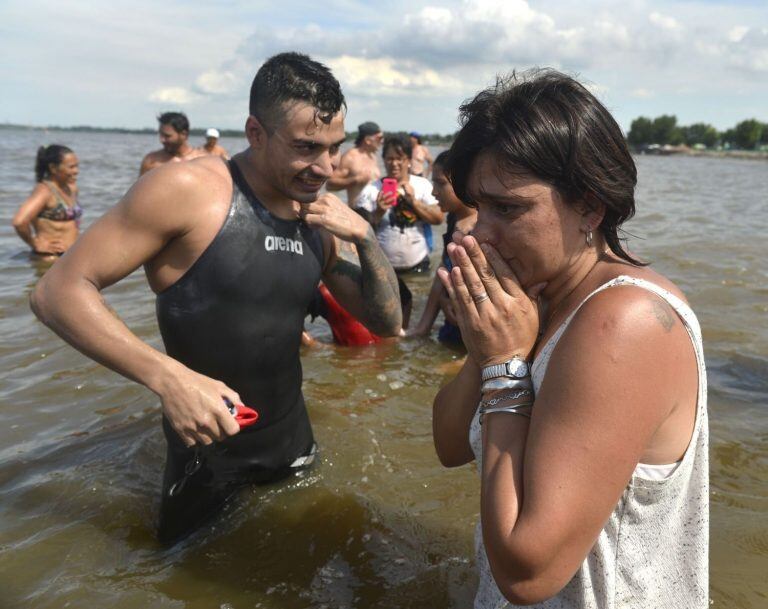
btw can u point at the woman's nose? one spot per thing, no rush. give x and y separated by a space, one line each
483 231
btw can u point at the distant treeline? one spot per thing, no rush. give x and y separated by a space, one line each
89 129
663 130
431 138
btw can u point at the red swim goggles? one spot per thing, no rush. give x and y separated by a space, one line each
244 415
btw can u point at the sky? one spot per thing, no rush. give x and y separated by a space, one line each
406 65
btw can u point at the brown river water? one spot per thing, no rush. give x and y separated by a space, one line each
377 523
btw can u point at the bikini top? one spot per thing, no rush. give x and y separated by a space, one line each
61 212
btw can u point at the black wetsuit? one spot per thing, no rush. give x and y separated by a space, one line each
237 316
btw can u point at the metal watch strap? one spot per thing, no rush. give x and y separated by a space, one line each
494 372
503 369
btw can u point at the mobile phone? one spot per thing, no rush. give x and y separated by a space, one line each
389 185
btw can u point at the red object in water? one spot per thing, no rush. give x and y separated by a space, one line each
346 329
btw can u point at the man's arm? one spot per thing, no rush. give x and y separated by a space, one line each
68 300
428 159
364 281
147 163
344 176
430 312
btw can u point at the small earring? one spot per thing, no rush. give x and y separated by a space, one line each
589 238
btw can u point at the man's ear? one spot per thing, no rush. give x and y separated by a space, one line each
255 132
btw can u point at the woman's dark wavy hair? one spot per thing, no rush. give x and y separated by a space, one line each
47 156
544 123
441 159
288 77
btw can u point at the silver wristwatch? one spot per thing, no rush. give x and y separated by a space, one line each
515 368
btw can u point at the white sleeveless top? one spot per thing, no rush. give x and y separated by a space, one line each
653 553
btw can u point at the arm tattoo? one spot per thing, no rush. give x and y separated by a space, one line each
348 269
377 284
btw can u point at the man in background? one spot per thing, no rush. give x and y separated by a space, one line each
173 130
212 146
359 166
421 159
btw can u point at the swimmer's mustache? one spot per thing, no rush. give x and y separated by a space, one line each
310 175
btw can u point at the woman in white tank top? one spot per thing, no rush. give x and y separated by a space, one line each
585 367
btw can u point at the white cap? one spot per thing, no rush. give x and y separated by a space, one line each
212 133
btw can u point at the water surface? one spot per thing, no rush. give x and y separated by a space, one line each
378 523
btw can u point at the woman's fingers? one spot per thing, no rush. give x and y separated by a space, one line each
481 270
504 274
453 283
445 279
480 285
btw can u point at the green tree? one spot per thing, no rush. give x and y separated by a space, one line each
700 133
764 137
666 131
640 132
748 133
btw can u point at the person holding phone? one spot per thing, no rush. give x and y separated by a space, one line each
399 206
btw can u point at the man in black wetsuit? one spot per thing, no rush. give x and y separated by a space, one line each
234 252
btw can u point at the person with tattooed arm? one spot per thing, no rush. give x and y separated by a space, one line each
234 251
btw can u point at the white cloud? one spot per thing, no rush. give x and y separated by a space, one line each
174 95
736 34
216 83
374 77
641 93
664 21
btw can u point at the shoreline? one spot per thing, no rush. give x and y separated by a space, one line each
746 155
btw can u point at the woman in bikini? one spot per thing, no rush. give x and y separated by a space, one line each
48 221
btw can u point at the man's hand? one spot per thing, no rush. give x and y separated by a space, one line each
194 405
336 217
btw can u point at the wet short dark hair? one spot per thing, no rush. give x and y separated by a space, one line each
290 77
177 120
47 156
544 123
401 144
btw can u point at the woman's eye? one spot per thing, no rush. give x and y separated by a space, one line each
504 210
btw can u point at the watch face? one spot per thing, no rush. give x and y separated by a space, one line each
517 368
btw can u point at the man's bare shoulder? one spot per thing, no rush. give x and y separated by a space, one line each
351 155
195 153
357 158
182 188
156 157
